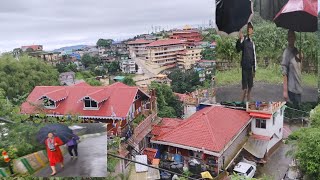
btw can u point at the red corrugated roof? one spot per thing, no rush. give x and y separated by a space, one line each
261 115
120 98
211 128
165 42
140 41
166 125
57 94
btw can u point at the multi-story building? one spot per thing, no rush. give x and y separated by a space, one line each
188 35
187 58
164 53
137 48
128 66
101 50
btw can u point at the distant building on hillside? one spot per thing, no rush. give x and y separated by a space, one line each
128 66
164 53
137 48
189 57
67 78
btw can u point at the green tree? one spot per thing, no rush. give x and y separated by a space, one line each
184 81
19 77
226 49
89 61
129 81
93 82
168 103
306 146
20 139
208 53
66 67
114 67
104 43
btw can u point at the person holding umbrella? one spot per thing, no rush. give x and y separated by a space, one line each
73 146
54 152
291 71
248 60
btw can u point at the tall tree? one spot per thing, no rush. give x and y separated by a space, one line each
19 77
184 81
129 81
168 103
104 43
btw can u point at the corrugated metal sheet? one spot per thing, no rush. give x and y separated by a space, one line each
257 148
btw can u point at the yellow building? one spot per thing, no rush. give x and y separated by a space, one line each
163 53
187 58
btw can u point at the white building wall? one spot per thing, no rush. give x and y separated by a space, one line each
189 110
272 130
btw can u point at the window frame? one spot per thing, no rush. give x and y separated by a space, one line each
259 123
85 99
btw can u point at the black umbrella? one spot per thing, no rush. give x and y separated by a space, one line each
233 15
60 130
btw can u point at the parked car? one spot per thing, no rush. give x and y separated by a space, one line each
245 169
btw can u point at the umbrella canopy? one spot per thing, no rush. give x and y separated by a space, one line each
298 15
233 15
60 130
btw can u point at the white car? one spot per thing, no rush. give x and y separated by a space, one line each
245 169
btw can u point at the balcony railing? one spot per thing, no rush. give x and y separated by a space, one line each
264 107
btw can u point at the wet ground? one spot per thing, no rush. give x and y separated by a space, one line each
90 163
262 92
278 163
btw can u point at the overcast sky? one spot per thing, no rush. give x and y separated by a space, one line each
56 23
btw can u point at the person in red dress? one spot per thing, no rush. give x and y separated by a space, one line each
54 153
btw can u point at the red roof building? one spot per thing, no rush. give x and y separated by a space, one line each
32 48
100 103
215 133
137 48
187 35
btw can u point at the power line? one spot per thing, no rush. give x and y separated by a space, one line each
161 169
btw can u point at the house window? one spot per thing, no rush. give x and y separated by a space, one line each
261 123
48 103
137 97
89 103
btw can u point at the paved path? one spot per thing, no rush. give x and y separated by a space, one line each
92 160
262 92
147 71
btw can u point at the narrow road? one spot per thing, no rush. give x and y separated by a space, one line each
144 68
262 92
92 160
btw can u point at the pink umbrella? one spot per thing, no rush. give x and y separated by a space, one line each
299 15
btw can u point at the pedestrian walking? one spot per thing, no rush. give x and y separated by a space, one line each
73 146
54 152
291 71
248 61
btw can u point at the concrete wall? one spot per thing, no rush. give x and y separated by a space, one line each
234 148
272 130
